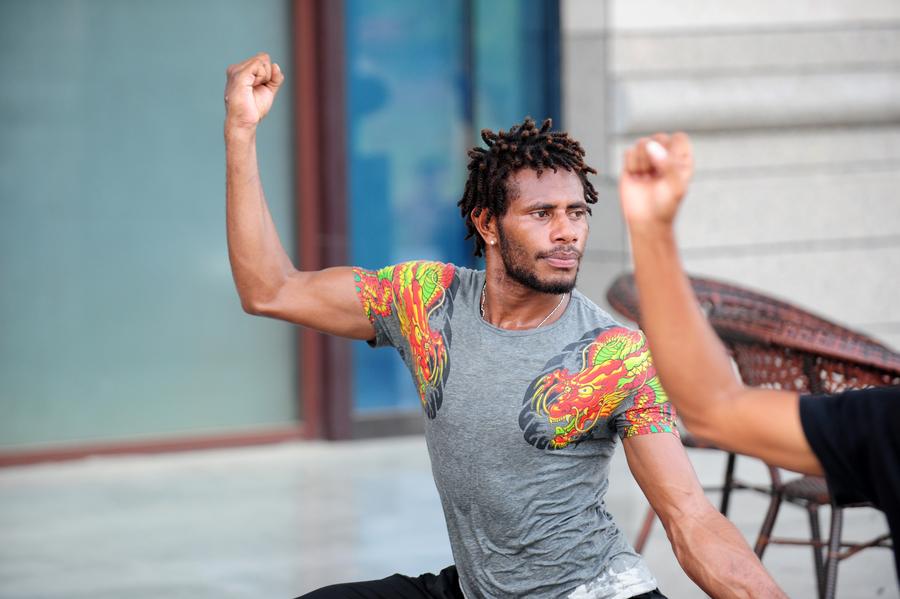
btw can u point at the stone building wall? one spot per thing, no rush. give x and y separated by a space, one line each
794 111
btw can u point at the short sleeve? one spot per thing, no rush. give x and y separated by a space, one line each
410 305
375 291
647 409
399 300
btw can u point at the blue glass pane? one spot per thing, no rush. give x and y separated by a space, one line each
516 62
407 137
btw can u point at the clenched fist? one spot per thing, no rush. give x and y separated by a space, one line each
250 91
655 176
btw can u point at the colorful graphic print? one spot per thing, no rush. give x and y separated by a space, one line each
416 291
613 365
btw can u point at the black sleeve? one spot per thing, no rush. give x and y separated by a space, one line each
856 436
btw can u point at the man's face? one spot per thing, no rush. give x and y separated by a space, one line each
543 233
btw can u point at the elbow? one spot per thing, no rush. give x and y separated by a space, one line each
260 298
689 528
692 408
703 424
679 534
699 425
708 419
257 304
251 306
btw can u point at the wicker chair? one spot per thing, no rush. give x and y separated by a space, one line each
777 345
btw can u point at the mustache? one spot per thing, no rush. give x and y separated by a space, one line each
568 251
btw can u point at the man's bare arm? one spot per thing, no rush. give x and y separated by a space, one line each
693 365
266 280
708 547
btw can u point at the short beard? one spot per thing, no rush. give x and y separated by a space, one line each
513 256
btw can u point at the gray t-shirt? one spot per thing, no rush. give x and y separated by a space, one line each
520 427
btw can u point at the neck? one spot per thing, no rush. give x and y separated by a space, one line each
510 305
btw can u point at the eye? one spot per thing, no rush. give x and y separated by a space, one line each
541 213
580 213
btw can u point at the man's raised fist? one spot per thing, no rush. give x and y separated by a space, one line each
250 91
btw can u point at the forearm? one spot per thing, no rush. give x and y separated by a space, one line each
715 556
259 263
692 364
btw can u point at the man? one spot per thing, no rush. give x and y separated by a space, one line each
853 439
524 382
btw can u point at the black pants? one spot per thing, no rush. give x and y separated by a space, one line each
427 586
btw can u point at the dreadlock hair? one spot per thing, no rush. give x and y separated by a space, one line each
524 146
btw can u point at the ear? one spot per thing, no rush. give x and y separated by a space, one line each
486 225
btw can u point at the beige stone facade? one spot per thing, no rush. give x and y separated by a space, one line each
794 109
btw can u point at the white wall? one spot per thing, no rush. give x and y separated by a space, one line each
794 110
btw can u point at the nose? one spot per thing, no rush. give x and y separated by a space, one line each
564 229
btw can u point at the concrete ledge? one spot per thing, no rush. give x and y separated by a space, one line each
675 53
649 15
788 152
762 101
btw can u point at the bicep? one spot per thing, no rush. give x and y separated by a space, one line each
662 469
325 300
762 423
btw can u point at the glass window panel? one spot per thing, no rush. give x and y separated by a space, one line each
516 62
120 317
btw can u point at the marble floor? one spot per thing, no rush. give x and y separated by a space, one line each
277 521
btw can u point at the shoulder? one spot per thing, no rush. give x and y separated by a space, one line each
588 310
419 281
425 274
408 269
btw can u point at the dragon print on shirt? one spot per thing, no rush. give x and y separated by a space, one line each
419 294
585 384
